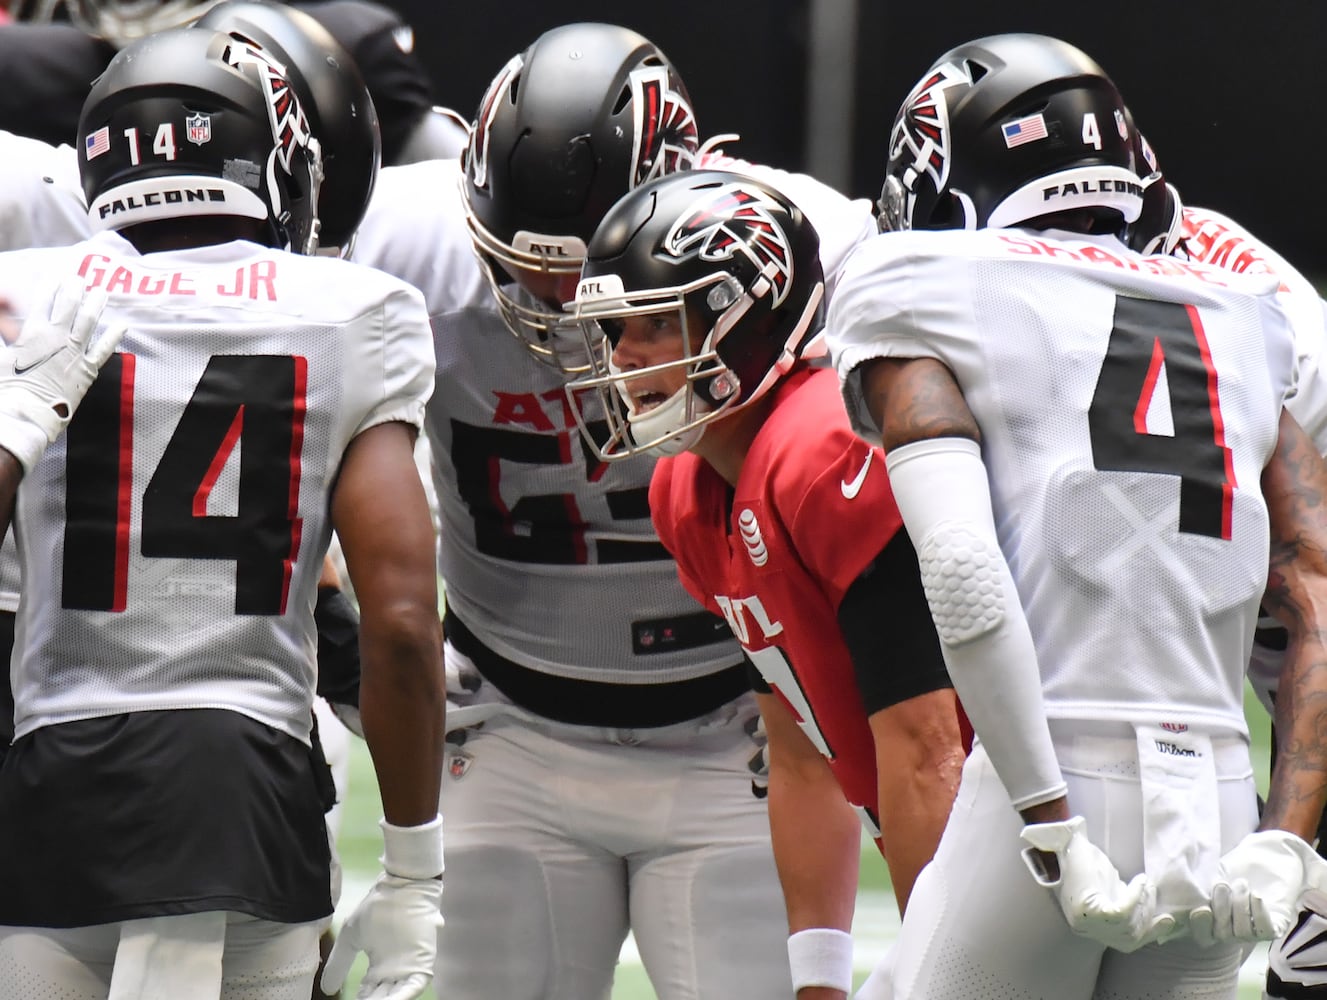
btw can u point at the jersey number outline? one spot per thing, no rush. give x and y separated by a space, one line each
257 402
547 528
1145 336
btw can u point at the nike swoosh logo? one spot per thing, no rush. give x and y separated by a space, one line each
21 369
851 489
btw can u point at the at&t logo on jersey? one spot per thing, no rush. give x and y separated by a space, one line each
749 529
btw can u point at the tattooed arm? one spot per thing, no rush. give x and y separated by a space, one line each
1295 485
913 399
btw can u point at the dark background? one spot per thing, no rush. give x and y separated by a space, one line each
1227 91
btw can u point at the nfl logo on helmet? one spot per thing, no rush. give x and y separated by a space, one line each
198 128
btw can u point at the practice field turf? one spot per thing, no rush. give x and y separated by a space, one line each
874 928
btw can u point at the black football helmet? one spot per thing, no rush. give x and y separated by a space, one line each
335 99
190 122
582 116
1160 224
1007 129
722 251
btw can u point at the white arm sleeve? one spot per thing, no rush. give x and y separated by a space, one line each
942 491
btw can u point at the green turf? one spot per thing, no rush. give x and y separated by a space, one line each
360 844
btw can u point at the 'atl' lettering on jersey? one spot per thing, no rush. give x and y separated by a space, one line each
527 409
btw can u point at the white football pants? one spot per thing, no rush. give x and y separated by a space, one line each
979 927
196 956
559 838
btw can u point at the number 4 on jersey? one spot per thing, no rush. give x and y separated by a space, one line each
255 402
1148 339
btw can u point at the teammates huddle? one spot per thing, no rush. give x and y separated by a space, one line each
764 518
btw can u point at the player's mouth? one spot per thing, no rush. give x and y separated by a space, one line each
645 400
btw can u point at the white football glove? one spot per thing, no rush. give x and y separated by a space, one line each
1255 895
1095 901
1297 963
47 369
397 922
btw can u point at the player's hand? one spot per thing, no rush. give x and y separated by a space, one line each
463 684
396 924
1256 892
1095 901
46 370
1297 963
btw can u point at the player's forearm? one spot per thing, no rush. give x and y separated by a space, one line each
1297 791
1295 487
402 702
919 761
817 846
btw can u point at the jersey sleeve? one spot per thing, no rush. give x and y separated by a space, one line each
406 362
872 316
41 202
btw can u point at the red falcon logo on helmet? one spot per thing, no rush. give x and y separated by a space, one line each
477 155
289 125
922 128
666 137
736 220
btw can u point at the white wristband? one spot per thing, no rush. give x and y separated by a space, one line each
821 956
412 851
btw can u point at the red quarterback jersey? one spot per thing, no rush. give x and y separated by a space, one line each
812 510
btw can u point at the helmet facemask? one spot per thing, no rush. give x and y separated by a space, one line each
539 326
638 420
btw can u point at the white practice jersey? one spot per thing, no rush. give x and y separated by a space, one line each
1127 407
1218 240
548 555
171 540
41 197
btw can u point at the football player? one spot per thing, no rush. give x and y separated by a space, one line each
1298 962
172 541
609 786
699 294
1089 449
46 68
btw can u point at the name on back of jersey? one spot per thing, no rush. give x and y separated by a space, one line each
256 280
